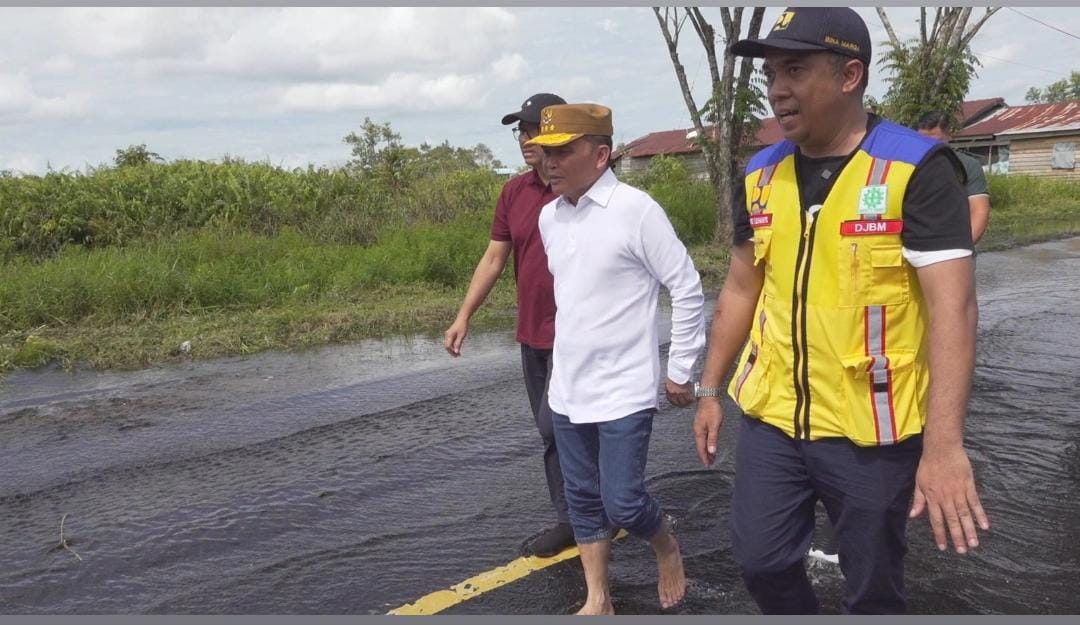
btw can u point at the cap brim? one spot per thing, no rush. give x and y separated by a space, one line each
510 118
555 139
757 48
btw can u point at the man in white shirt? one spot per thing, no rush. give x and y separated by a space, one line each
610 247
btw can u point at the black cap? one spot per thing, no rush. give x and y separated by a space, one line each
530 108
809 29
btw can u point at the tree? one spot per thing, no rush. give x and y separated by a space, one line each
735 98
135 155
1063 90
379 155
485 158
934 70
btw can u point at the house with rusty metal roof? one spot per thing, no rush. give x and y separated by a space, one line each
682 143
1036 140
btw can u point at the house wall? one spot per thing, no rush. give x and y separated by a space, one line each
631 165
1032 157
694 163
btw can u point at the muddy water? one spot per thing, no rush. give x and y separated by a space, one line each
354 479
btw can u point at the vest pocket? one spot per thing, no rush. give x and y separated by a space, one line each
872 274
750 384
762 242
879 390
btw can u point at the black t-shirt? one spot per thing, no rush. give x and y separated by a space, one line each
936 214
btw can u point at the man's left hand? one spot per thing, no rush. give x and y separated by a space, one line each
680 395
945 489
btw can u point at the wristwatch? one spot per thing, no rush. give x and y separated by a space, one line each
707 391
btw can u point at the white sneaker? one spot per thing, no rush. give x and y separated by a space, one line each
821 555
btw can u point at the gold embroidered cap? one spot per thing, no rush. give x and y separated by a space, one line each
562 123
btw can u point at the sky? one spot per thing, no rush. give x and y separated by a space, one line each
285 85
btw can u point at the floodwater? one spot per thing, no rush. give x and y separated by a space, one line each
355 479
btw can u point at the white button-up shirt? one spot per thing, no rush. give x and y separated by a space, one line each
609 255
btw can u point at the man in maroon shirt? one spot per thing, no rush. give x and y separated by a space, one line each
515 230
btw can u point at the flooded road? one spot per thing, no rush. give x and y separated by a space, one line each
355 479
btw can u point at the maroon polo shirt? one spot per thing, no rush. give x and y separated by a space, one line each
517 218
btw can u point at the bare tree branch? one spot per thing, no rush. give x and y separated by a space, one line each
708 40
953 50
746 70
725 17
979 24
672 41
938 19
694 15
888 26
922 26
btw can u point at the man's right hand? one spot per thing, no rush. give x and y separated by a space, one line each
455 336
710 415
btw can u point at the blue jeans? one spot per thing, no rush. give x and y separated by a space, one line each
603 467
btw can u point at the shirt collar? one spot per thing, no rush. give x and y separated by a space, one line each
535 179
600 192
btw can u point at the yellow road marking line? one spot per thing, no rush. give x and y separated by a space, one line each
489 580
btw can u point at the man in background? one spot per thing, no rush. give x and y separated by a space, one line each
514 230
938 125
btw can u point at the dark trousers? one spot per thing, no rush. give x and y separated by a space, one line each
866 492
536 364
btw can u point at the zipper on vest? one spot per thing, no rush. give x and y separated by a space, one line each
797 337
802 369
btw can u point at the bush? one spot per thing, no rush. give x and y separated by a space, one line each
690 202
149 201
1032 194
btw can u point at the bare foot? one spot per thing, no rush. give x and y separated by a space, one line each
596 608
672 584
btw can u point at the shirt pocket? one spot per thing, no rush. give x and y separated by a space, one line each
875 272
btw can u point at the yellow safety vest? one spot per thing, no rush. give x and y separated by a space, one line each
838 345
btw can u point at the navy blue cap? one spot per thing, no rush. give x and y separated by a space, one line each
810 29
530 108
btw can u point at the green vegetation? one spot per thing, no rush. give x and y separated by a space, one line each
1025 209
119 266
1064 90
690 203
933 70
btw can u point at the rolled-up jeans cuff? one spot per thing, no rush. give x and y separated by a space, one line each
593 538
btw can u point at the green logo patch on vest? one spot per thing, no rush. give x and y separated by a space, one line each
873 199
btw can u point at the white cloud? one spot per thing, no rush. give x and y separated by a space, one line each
577 89
23 163
1001 54
19 100
509 68
58 64
361 43
127 33
411 92
202 82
